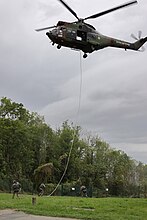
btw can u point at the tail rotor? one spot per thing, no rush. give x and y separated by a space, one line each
142 49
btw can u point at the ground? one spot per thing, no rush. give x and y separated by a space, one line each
13 215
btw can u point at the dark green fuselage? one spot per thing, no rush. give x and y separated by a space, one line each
82 36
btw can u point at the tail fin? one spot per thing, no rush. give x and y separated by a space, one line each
139 43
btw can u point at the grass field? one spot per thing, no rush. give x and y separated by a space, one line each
80 208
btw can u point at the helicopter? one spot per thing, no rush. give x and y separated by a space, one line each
80 35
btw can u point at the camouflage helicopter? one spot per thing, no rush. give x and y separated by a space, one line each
80 35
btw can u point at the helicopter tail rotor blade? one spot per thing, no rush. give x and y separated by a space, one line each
139 36
69 8
140 42
134 37
46 28
111 10
142 49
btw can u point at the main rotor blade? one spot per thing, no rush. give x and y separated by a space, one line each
111 10
70 9
46 28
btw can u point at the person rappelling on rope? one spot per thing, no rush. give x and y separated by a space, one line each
41 189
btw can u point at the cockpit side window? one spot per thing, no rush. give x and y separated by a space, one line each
71 33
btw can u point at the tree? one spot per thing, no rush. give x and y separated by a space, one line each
43 173
67 148
27 143
13 111
24 138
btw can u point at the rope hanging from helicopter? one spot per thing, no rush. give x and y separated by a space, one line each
82 36
76 121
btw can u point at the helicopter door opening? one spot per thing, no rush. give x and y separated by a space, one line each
81 35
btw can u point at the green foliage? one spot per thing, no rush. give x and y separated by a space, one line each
43 173
13 110
29 146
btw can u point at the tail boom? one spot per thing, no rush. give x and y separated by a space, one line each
139 43
125 45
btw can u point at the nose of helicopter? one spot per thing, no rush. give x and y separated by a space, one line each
51 34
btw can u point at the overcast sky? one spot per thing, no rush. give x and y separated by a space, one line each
47 80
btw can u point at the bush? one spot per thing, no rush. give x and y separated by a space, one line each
5 185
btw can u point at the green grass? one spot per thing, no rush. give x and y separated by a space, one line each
80 208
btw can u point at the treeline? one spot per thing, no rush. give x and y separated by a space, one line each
32 152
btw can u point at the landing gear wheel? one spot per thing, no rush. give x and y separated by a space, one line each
59 46
85 55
